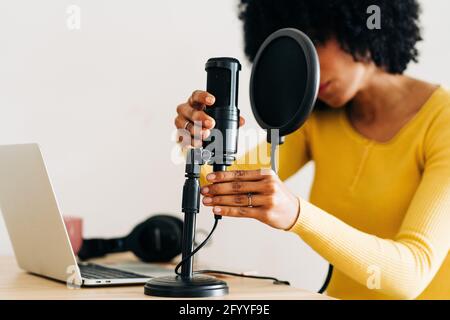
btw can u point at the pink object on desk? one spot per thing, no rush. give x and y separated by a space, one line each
74 227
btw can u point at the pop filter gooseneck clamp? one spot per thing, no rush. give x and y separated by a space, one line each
284 86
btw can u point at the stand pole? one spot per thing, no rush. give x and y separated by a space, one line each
188 284
190 205
188 244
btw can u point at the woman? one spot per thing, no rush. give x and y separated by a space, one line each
379 209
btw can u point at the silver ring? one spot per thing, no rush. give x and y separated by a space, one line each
249 198
186 125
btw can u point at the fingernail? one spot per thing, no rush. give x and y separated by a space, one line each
205 190
210 99
206 134
197 143
211 177
217 210
207 200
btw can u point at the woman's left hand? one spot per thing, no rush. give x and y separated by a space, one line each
257 194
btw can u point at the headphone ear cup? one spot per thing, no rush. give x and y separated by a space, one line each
158 239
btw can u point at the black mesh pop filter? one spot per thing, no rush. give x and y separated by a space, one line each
284 85
285 81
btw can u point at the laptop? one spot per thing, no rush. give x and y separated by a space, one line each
36 228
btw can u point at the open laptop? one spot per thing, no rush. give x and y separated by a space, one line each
36 228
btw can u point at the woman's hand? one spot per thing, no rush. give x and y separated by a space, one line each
257 194
192 118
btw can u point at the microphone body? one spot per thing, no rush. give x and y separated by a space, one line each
223 83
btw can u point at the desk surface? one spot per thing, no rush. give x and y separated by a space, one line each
17 284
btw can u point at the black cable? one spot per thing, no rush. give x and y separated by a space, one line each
275 280
327 280
202 232
216 221
177 268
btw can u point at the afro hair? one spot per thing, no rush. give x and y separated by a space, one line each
392 47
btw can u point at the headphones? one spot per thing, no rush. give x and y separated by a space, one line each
157 239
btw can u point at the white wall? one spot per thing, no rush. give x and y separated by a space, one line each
101 101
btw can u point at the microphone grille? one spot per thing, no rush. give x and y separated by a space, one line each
219 85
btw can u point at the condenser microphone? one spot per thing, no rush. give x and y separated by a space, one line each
223 83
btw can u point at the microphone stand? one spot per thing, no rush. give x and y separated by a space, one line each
187 284
190 207
222 82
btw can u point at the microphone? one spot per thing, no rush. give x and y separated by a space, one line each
223 83
218 150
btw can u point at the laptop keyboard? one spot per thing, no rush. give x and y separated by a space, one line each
95 271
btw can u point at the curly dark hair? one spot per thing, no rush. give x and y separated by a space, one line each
392 47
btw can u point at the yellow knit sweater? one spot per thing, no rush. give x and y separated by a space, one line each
379 212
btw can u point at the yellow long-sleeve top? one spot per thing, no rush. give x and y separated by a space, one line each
379 212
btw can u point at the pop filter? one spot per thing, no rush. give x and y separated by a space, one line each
284 86
285 82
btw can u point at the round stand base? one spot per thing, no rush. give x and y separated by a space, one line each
195 287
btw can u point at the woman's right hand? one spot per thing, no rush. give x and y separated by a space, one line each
192 118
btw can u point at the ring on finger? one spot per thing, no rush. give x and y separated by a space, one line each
187 125
249 199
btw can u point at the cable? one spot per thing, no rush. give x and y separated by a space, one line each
216 221
177 268
204 234
275 280
274 147
327 280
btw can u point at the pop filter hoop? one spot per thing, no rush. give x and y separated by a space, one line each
311 77
297 107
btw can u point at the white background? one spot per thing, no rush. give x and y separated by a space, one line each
101 101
